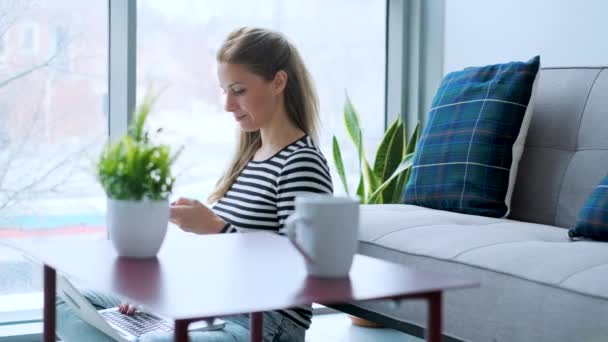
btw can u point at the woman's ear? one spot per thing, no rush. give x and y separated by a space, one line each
280 81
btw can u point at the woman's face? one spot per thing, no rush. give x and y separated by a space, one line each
251 99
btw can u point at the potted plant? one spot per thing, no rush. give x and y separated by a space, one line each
385 182
136 176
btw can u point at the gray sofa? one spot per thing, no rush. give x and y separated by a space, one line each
536 285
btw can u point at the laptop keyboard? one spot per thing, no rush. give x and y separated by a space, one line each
137 324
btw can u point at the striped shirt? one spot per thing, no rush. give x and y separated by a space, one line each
262 196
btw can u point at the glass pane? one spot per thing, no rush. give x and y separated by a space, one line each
53 123
177 43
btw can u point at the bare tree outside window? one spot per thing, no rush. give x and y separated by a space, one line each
61 47
53 78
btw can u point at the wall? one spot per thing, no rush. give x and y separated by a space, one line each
563 32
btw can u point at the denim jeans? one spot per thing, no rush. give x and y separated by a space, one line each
277 328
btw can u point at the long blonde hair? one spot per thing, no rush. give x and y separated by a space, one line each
264 53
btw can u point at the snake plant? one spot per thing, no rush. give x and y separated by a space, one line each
385 181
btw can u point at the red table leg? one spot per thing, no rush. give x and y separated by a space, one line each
433 331
181 330
50 283
256 326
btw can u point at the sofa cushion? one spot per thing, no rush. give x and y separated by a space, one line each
534 252
566 153
592 219
464 160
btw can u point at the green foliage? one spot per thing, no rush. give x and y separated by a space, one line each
133 168
385 182
338 161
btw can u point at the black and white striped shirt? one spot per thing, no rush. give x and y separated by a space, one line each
262 196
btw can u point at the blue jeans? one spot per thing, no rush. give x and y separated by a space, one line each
277 328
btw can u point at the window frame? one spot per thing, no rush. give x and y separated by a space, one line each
415 53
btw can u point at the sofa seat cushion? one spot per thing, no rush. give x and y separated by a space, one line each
530 251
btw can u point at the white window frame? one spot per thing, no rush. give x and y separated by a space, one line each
121 73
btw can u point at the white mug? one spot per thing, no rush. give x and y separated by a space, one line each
325 230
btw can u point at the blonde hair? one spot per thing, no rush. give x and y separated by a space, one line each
264 53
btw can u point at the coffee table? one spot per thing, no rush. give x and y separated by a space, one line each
202 277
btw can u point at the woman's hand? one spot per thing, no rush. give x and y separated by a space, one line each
127 309
194 217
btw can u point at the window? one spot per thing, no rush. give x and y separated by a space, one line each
176 46
54 115
52 129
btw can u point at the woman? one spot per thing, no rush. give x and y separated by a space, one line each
270 94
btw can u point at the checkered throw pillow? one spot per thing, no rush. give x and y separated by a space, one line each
467 155
592 221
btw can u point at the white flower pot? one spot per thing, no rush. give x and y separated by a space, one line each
137 228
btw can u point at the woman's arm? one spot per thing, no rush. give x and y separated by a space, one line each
229 228
195 217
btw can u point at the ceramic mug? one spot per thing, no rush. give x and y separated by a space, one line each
325 230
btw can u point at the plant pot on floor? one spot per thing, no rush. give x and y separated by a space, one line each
137 228
358 321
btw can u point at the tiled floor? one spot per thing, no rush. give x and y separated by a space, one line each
337 327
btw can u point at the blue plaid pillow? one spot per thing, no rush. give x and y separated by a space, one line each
463 159
592 221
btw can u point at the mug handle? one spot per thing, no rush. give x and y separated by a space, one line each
290 227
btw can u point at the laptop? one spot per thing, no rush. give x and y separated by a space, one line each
121 327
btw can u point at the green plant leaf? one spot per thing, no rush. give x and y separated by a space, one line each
136 129
353 127
339 163
399 187
402 179
351 121
361 190
372 180
405 164
382 152
393 158
411 145
404 135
